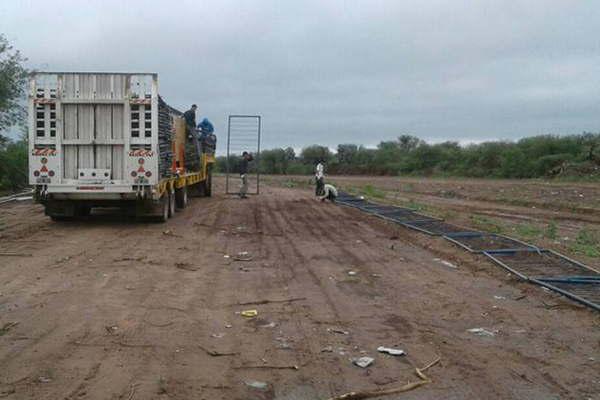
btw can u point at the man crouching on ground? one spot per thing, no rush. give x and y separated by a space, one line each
329 193
246 158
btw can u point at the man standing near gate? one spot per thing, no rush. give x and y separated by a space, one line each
246 158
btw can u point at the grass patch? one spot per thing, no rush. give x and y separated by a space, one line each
289 183
551 231
487 224
372 191
587 243
415 205
528 231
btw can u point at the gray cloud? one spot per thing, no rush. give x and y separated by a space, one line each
341 71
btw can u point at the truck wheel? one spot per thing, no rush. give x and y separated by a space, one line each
208 184
83 211
181 197
171 202
164 216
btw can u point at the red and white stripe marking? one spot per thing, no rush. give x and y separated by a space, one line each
44 152
141 153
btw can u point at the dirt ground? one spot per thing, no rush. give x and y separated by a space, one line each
563 216
110 308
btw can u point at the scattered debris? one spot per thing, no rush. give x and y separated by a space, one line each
269 325
446 263
162 385
284 346
481 332
16 255
257 384
214 353
294 367
132 391
243 256
111 329
352 273
228 326
367 394
6 327
259 302
249 313
217 335
499 297
43 379
226 256
363 362
337 330
169 232
327 349
129 259
391 351
185 266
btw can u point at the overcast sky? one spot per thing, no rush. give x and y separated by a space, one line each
332 72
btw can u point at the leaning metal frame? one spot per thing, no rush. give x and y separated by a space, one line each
256 158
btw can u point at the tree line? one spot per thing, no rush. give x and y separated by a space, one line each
13 154
532 157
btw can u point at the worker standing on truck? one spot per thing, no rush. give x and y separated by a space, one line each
329 193
246 158
190 118
319 179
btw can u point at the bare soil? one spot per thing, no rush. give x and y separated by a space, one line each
548 214
109 308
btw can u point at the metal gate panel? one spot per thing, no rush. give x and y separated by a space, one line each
70 133
479 242
85 131
243 134
117 132
103 120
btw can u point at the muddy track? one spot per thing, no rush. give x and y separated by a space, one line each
144 311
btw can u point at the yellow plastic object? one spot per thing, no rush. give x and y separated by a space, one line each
249 313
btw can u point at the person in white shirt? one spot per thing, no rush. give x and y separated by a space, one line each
319 179
329 193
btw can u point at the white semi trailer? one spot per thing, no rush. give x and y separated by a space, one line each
94 142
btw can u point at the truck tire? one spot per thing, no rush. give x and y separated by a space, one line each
208 183
171 201
83 211
181 197
60 218
164 216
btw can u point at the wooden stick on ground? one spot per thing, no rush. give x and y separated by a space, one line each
213 353
366 394
271 301
294 367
